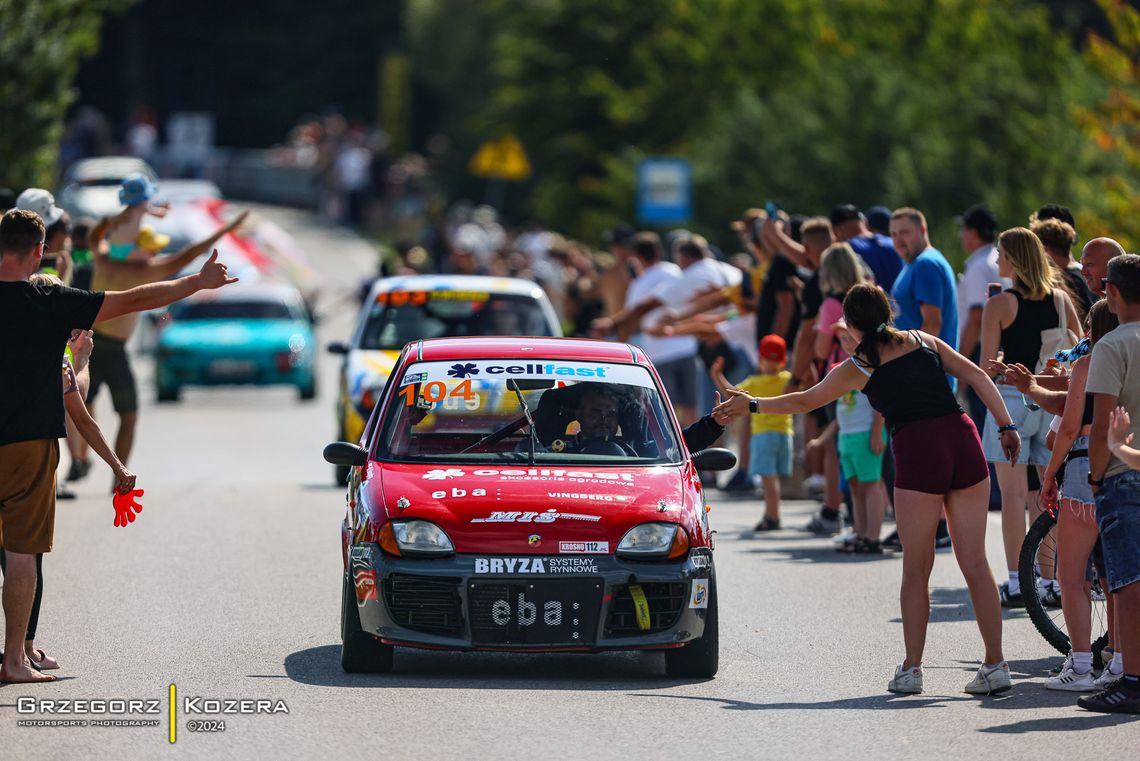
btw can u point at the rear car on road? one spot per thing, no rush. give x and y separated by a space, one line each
526 495
244 334
402 309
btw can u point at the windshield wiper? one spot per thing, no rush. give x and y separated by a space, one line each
530 420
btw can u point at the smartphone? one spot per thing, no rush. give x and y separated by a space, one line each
50 263
772 209
993 290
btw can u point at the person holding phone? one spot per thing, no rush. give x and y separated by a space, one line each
938 460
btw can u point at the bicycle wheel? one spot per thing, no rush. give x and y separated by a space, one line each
1040 549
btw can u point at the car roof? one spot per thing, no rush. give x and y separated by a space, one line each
262 291
584 349
478 283
108 168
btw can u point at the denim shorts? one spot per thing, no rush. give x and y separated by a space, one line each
1076 484
1032 426
1118 515
770 454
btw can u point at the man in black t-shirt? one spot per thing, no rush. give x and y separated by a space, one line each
778 311
35 323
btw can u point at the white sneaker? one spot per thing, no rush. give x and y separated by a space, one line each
847 537
814 484
990 680
906 681
1069 680
1106 679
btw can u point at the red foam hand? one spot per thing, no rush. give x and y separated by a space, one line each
126 505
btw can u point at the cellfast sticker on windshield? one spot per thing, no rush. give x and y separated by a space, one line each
495 371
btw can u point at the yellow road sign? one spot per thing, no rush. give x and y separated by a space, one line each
502 159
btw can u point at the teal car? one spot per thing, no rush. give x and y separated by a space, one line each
248 335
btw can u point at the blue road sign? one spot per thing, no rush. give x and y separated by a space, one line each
664 191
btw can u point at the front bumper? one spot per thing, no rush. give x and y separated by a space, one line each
605 604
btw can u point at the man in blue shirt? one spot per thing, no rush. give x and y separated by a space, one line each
876 250
925 291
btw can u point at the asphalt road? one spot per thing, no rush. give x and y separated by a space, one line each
228 587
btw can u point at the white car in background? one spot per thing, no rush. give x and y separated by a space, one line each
399 310
91 186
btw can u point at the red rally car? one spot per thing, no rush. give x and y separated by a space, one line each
526 495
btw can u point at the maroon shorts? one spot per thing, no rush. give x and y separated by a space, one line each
939 455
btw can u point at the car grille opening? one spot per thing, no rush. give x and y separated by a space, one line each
429 604
666 601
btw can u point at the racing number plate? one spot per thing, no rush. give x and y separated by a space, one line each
540 612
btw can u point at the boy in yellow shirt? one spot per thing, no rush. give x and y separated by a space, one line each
771 446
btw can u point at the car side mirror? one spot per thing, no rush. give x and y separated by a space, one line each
713 459
343 453
337 347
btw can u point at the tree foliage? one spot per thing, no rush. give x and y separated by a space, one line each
41 46
934 103
1113 123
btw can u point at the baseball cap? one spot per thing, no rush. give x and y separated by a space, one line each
979 218
879 219
844 212
620 235
41 202
1056 211
774 348
137 188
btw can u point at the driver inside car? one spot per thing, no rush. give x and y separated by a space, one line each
598 416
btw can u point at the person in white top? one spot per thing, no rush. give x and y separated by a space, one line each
977 234
675 357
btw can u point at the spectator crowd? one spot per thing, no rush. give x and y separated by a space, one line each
908 387
859 368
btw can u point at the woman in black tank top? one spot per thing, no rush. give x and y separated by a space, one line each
938 461
1012 322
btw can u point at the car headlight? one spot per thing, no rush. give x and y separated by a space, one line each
654 540
415 537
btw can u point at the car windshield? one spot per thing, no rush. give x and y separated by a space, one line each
398 317
473 411
231 310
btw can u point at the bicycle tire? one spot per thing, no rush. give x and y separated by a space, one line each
1042 620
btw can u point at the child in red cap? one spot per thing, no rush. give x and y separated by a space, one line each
771 449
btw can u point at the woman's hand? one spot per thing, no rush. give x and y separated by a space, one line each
1048 495
1011 445
737 403
721 417
1119 424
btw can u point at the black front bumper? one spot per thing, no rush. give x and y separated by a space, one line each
470 602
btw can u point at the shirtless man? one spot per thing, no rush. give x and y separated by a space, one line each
110 363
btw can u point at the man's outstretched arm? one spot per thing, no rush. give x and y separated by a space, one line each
154 295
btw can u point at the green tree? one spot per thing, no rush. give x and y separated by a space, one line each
41 46
1113 123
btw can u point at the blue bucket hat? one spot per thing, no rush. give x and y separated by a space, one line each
137 188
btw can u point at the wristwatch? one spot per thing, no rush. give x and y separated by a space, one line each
754 405
1095 482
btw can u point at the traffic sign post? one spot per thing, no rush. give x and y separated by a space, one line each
664 191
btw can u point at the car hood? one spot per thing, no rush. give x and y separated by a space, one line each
253 334
499 509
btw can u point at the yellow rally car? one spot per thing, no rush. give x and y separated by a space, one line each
399 310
